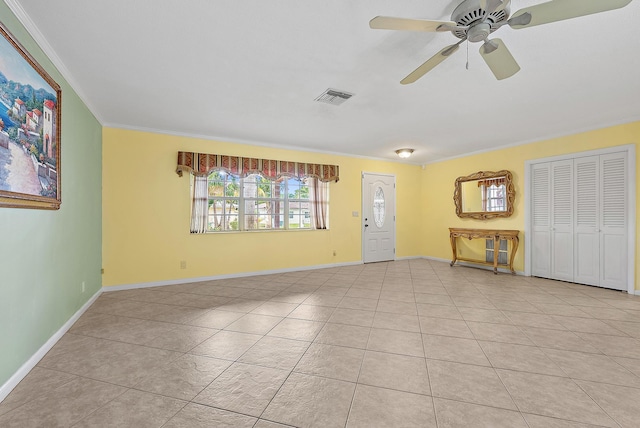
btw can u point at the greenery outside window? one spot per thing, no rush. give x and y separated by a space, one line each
256 203
494 197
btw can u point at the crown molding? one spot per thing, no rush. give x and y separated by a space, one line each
42 42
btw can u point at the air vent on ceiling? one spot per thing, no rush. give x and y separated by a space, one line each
331 96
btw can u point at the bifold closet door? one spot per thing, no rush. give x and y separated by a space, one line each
587 220
614 221
580 221
552 228
541 220
562 220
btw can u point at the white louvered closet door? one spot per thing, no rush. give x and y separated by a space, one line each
613 223
580 220
541 220
587 220
562 220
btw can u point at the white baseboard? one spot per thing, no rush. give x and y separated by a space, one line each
409 258
228 276
40 353
437 259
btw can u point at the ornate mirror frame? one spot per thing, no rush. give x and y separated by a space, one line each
480 175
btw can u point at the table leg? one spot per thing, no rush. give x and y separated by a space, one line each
514 247
496 250
454 249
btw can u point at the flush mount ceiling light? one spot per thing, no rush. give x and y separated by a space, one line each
404 153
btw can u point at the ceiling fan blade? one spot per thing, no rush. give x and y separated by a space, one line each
558 10
493 5
431 63
499 59
406 24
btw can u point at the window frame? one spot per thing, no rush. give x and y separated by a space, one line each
491 194
274 219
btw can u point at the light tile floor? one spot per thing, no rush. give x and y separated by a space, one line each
399 344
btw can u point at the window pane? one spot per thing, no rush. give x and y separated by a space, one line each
231 212
379 207
278 213
265 188
265 207
256 186
216 213
251 222
232 187
294 188
297 189
250 186
250 206
216 183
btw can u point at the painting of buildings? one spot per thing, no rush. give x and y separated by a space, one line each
29 134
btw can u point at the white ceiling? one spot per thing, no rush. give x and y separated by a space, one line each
248 71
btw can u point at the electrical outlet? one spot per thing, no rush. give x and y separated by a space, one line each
83 287
183 264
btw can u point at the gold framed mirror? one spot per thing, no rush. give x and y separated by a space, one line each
484 195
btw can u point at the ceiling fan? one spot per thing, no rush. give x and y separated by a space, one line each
475 20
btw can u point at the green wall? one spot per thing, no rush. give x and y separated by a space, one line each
46 255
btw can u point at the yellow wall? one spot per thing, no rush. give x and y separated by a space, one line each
146 207
437 198
146 214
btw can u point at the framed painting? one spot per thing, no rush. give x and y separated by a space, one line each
30 118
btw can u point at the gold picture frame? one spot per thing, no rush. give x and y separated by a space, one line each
30 130
505 177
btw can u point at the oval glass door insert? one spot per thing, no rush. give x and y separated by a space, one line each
378 207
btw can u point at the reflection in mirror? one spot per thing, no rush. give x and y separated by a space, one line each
484 195
487 195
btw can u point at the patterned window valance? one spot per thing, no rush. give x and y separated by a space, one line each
493 182
203 164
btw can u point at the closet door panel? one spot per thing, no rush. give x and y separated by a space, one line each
613 225
614 262
541 220
586 227
562 220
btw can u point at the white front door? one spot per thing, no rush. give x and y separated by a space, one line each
378 217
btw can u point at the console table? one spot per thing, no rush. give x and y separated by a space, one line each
496 235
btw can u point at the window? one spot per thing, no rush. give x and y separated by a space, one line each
224 201
256 203
502 251
494 197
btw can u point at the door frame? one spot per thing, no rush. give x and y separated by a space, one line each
362 208
630 149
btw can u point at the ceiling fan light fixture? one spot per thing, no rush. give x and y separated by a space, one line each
404 153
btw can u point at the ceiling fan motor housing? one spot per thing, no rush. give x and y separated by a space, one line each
470 14
478 32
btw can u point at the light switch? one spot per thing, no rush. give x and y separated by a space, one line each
354 213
